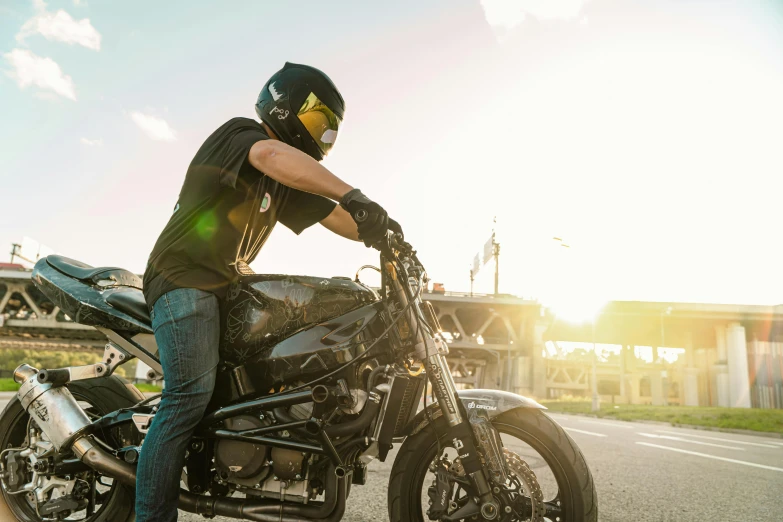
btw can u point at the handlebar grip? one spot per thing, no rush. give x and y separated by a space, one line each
360 215
55 377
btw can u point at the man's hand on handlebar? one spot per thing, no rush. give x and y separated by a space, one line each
396 228
371 219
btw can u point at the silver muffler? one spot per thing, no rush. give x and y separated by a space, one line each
54 409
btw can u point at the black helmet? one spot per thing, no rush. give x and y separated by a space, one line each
316 102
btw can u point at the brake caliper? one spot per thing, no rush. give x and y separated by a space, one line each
439 490
14 472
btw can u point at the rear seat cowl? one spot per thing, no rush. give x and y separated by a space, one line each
132 303
98 276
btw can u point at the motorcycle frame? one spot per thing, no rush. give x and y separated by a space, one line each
425 346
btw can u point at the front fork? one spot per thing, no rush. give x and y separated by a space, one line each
433 350
464 442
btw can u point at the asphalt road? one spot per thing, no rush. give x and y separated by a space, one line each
652 472
643 472
646 472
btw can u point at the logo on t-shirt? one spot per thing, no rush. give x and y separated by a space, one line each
265 203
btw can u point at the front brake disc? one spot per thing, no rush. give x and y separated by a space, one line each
530 487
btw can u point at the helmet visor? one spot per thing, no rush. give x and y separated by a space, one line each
320 122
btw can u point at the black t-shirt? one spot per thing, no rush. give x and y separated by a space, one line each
225 212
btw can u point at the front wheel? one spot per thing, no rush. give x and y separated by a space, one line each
549 479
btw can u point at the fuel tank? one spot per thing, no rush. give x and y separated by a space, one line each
281 328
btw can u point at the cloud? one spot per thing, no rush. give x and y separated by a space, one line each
61 27
45 73
504 15
156 128
92 143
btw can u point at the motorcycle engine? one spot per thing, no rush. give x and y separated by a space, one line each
258 470
242 463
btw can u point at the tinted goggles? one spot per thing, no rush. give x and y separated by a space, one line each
320 122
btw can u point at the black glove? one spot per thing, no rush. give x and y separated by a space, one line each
371 220
396 228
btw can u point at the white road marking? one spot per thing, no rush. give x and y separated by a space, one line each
680 439
594 434
607 423
759 444
706 456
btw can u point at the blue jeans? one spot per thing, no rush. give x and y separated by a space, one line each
186 323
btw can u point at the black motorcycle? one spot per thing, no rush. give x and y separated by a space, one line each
318 378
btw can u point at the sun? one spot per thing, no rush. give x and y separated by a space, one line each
576 308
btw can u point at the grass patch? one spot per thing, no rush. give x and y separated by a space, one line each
726 418
147 388
10 385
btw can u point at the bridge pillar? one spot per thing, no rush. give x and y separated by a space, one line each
623 397
737 359
636 389
690 379
691 386
656 388
521 374
538 368
721 369
721 389
493 375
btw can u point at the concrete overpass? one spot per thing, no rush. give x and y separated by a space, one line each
732 354
30 321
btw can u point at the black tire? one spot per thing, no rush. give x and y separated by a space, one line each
106 395
577 492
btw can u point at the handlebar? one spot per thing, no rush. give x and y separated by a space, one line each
391 243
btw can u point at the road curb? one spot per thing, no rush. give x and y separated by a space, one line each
768 434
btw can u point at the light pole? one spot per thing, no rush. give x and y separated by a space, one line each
596 399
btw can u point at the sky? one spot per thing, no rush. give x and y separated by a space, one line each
646 135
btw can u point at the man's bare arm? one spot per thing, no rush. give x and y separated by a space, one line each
296 169
340 222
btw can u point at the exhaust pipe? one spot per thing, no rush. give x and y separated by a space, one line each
55 410
331 510
62 420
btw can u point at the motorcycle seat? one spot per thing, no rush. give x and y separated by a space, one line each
132 303
84 272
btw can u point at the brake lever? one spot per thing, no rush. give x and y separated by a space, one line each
384 246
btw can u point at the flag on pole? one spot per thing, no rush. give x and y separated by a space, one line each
489 249
476 264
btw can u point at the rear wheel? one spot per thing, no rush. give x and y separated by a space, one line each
549 479
105 499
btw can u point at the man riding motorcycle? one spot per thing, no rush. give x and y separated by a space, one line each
245 178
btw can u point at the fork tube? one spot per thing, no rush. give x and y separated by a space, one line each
443 388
